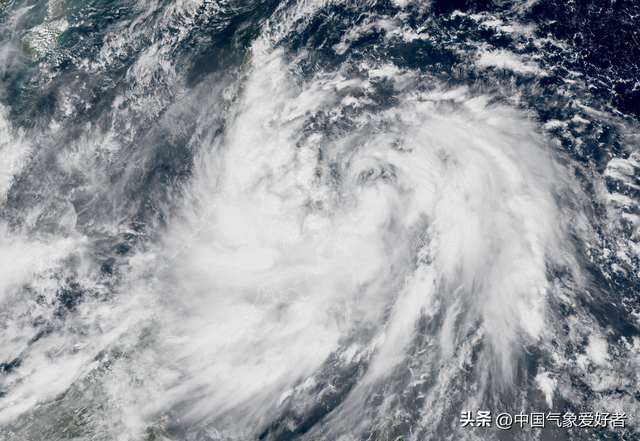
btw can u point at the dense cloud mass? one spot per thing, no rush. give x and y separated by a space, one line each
318 220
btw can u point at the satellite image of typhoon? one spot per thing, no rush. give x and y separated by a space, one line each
319 220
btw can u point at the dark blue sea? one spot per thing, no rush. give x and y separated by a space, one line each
312 220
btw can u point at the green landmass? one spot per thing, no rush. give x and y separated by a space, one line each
56 8
244 68
360 372
84 412
42 39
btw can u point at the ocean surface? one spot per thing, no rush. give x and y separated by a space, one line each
314 220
